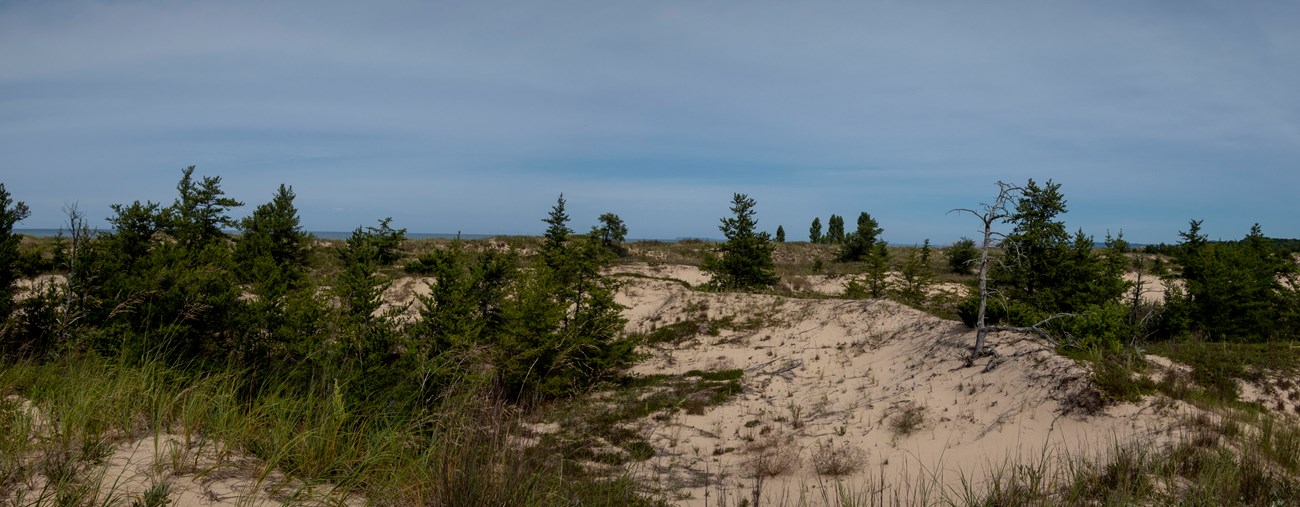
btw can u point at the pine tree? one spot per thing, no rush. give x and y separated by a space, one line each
877 270
859 244
780 234
564 327
272 246
962 256
1047 274
746 260
815 231
557 233
915 276
1035 248
611 233
201 210
835 230
1231 291
10 214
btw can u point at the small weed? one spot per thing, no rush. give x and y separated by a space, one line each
155 496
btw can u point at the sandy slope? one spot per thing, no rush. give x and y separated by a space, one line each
818 371
190 470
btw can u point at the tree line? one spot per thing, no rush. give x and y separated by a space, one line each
1039 276
167 282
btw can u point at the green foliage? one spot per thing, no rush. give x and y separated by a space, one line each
834 230
746 260
916 276
199 213
464 305
162 279
557 233
133 229
562 330
385 242
962 256
1113 373
1231 291
859 244
780 234
1046 272
34 331
611 233
815 231
10 214
1216 366
874 282
358 287
272 248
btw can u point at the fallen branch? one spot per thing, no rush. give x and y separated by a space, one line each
1036 328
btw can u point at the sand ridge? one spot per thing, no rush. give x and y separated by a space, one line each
886 382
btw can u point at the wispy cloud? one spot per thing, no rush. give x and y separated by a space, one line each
472 116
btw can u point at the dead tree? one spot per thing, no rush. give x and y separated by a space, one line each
988 214
75 285
1137 319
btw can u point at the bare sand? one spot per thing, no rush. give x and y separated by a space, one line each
880 381
868 383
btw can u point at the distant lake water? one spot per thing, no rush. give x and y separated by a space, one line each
50 233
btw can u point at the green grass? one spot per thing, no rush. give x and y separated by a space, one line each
465 452
1216 366
606 427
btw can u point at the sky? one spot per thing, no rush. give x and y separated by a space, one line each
476 116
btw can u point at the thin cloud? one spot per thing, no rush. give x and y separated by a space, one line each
472 116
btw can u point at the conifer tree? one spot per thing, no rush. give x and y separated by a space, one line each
272 246
611 233
962 256
780 234
10 214
563 329
746 260
557 233
835 230
859 244
877 270
1231 291
201 210
815 231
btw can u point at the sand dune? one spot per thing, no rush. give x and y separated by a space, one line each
874 378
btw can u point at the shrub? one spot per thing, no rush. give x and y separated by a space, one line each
962 256
837 461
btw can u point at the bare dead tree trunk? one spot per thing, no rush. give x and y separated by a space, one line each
79 232
988 214
1138 319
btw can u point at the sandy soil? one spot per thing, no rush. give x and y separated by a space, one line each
883 389
189 470
887 384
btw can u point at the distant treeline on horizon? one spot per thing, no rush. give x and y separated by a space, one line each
50 233
1286 244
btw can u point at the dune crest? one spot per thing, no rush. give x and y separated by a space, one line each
870 385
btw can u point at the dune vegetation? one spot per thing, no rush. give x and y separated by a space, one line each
188 357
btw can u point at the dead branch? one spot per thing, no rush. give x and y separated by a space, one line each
1035 328
991 213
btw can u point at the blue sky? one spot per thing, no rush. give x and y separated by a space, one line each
474 116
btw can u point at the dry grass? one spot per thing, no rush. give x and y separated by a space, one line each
833 460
